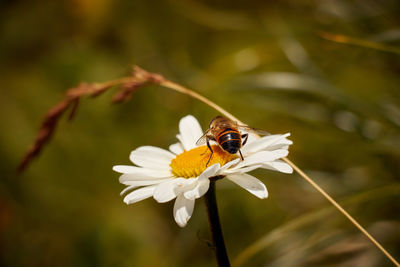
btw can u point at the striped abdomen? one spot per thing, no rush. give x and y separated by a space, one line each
229 139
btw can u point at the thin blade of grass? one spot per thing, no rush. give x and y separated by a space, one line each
339 38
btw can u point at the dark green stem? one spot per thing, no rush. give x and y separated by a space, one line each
215 226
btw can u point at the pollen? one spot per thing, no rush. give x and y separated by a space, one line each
193 162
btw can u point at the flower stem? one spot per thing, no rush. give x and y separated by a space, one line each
215 226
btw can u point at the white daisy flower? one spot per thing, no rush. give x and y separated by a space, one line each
182 173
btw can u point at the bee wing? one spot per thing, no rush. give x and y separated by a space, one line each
203 139
252 130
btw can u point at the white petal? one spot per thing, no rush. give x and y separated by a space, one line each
152 157
176 148
250 183
128 178
138 183
270 142
229 165
139 194
200 189
190 132
261 157
278 165
243 169
197 187
210 171
183 210
278 146
167 191
126 189
252 137
138 172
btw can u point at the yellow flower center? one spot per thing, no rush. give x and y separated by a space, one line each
193 162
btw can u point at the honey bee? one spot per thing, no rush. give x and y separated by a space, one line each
226 133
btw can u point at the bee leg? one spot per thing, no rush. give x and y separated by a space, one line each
208 146
212 152
245 137
208 139
241 156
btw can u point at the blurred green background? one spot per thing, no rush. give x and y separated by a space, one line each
263 61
